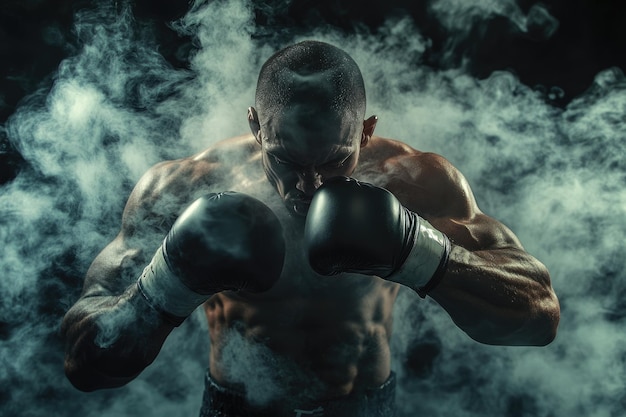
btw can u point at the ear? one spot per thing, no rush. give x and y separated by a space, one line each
368 129
255 126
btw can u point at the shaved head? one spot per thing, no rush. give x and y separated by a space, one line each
316 75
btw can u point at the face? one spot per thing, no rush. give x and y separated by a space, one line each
301 148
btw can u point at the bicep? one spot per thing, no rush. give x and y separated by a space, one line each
150 211
464 223
119 264
113 269
477 232
459 216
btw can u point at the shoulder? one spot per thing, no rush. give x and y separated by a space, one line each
169 186
424 182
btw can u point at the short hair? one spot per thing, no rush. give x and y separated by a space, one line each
315 71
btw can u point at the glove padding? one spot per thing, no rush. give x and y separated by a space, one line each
357 227
223 241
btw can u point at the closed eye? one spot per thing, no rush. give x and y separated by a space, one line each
338 163
279 161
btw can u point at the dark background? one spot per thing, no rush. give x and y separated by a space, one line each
591 36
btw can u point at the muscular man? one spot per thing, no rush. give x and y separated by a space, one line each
311 295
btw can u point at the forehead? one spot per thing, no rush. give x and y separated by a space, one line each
308 155
301 119
305 132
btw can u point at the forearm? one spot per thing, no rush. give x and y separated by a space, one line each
499 297
111 339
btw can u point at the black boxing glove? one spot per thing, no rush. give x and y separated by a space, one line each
357 227
224 241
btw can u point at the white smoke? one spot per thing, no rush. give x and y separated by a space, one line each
462 16
554 176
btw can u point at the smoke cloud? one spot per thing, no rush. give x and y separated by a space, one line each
554 175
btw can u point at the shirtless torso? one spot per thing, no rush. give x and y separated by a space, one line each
334 330
310 337
328 336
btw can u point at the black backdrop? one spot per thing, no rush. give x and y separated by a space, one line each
591 36
557 57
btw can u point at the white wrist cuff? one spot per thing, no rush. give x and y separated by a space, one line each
165 291
429 252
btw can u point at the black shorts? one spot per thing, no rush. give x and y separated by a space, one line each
219 401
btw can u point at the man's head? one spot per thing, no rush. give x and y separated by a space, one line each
310 104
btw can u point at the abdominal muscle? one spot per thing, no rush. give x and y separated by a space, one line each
310 342
310 337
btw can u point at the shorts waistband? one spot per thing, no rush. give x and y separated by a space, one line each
219 401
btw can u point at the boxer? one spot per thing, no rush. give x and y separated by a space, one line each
325 222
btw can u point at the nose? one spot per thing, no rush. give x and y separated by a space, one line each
309 180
